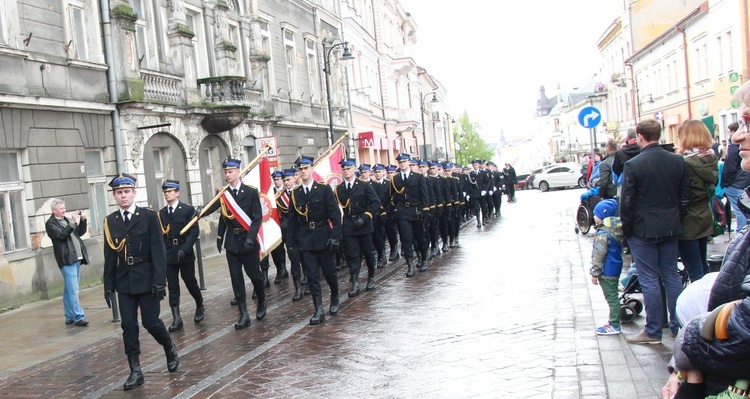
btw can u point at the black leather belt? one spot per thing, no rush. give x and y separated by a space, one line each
175 241
354 217
134 260
237 230
313 225
408 204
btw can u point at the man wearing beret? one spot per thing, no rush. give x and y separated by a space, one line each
241 215
380 184
410 200
360 203
135 266
180 256
283 204
315 229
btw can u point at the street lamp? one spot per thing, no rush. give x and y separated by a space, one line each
327 69
424 131
640 100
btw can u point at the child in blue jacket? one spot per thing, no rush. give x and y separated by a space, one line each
606 261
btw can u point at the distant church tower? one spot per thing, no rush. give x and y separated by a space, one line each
544 104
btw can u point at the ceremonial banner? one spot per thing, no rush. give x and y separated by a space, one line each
327 169
269 235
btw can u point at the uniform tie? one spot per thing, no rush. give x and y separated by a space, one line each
403 176
126 217
307 190
234 192
170 210
348 186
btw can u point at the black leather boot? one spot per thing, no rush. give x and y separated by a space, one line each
234 302
355 285
177 322
200 310
422 266
255 294
244 320
136 376
453 243
334 304
394 255
266 282
479 222
173 361
260 312
320 313
445 246
281 273
297 291
409 267
434 251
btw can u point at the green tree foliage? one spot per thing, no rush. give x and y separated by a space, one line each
469 144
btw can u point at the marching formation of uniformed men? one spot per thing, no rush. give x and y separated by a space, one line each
417 203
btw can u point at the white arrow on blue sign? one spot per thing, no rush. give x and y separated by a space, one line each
589 117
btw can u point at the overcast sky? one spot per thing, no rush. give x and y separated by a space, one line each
492 56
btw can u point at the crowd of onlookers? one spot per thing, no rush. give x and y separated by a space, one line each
664 203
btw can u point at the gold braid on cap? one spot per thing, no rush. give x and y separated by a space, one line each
161 225
108 236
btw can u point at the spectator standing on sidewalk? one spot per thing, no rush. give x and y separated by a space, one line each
606 262
135 264
70 253
607 186
653 203
734 180
697 226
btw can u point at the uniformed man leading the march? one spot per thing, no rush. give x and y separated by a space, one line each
135 266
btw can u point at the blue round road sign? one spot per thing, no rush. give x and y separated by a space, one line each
589 117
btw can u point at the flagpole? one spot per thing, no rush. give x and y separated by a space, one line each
243 172
325 154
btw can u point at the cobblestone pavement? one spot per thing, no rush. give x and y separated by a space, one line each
509 314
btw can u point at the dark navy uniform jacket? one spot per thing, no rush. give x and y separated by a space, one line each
360 201
315 218
230 231
409 198
134 255
171 225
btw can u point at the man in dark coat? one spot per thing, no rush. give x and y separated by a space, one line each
241 216
315 229
380 184
70 254
511 179
135 264
477 182
411 203
360 203
654 201
607 186
283 204
180 255
391 223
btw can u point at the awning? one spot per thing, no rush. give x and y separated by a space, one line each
709 122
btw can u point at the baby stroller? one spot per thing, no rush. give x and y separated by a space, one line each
585 214
630 307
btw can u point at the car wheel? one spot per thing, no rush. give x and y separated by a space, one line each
543 186
582 182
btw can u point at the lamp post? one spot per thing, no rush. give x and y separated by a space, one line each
327 70
640 100
424 131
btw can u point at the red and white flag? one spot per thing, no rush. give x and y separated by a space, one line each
269 235
328 168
